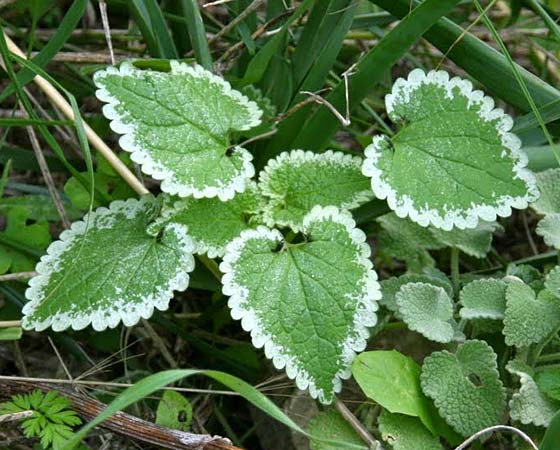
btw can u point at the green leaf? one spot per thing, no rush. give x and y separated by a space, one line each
529 318
548 182
107 268
391 286
296 181
549 229
453 160
552 434
174 411
428 310
10 334
212 224
330 424
483 299
39 207
406 433
474 242
528 404
392 380
465 386
552 281
548 381
406 240
285 294
176 125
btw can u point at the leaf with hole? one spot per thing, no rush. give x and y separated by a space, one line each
174 411
428 309
285 294
177 126
483 299
296 181
529 318
107 269
465 386
212 223
406 433
453 161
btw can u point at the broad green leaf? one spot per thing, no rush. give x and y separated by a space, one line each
529 318
391 286
406 433
552 434
528 405
107 268
286 294
548 182
39 207
465 386
296 181
453 161
548 381
474 242
552 281
392 380
549 229
330 424
174 411
427 309
176 125
406 240
483 299
212 223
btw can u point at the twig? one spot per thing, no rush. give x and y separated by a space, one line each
358 427
475 436
45 171
158 342
17 276
343 120
85 57
15 417
10 323
57 98
106 29
240 18
121 423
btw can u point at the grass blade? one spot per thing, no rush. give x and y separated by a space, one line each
197 34
149 18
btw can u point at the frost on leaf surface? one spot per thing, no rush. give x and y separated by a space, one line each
529 405
483 299
453 160
329 424
529 318
427 309
296 181
548 182
549 229
552 281
310 303
108 269
212 223
391 286
177 125
406 433
465 386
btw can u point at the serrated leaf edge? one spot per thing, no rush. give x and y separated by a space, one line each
296 158
467 313
141 156
412 325
541 230
49 264
403 205
367 303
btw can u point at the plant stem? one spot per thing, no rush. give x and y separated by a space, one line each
17 276
548 358
10 323
358 427
455 271
211 265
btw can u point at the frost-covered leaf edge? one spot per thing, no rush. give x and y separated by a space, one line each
142 157
298 156
371 293
48 265
404 207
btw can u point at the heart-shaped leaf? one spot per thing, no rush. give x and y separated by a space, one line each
213 223
296 181
427 309
107 268
177 124
529 318
310 303
549 229
453 160
483 299
465 386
